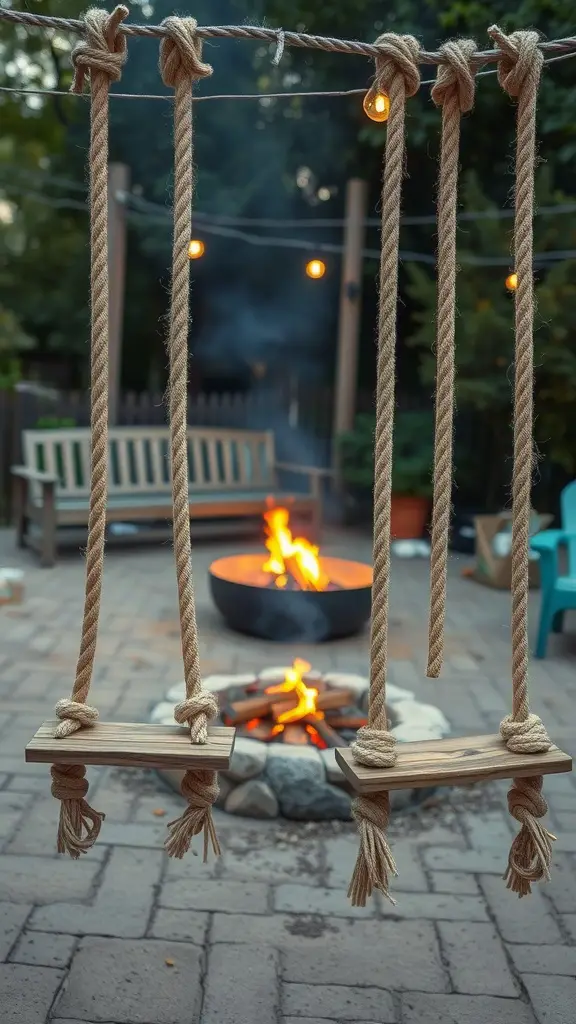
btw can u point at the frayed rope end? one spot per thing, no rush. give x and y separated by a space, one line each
200 790
79 824
374 863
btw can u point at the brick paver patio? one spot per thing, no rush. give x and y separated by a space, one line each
267 935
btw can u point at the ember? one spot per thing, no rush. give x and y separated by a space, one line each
294 710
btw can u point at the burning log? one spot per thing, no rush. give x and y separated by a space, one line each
254 707
324 701
294 733
260 730
325 731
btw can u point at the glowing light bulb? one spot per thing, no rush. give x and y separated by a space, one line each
316 269
512 282
376 105
196 249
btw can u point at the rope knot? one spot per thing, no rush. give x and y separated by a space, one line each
68 781
200 788
367 809
181 52
73 716
375 748
522 58
399 55
196 712
528 736
103 49
456 74
525 798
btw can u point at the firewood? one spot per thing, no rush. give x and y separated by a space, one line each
295 734
325 731
346 721
264 731
327 699
240 711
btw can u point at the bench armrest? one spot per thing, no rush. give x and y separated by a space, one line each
550 540
317 471
34 475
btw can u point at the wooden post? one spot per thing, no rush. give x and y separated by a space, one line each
118 183
350 306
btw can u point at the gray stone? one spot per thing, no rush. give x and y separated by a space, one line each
454 881
123 903
544 959
253 799
179 925
348 681
553 998
44 880
339 1001
518 918
476 959
12 918
248 759
446 858
432 1009
130 983
333 770
272 864
241 985
417 721
436 906
27 993
230 897
40 949
334 951
298 779
301 899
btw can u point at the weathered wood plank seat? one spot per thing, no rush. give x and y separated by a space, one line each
232 473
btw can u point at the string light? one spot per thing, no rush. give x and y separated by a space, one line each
376 105
316 269
196 249
512 282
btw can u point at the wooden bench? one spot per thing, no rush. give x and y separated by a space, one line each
232 473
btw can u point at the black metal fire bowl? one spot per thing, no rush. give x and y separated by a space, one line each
242 594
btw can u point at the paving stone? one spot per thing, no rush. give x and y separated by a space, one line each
45 880
553 998
149 837
338 1001
476 959
341 856
122 906
447 858
27 993
569 922
457 1009
273 864
436 906
335 951
44 950
241 985
544 959
566 842
12 918
308 1020
301 899
179 925
561 889
491 830
518 918
37 831
228 896
130 983
454 881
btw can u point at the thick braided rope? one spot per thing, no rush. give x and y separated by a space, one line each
181 65
397 75
531 853
100 56
454 92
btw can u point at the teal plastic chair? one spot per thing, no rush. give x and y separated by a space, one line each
558 592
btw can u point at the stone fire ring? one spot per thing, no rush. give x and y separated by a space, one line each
269 780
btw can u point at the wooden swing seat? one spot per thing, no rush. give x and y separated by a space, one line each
133 745
451 762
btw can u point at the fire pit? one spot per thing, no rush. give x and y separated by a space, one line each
295 593
288 721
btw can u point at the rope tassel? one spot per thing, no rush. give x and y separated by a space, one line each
180 65
100 56
374 863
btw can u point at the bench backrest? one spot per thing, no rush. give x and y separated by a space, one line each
219 459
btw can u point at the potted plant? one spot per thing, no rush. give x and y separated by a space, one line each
411 468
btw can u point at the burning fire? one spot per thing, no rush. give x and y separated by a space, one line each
293 683
289 556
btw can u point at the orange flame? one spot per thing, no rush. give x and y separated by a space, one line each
307 695
291 556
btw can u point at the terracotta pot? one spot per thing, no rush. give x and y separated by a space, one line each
409 516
